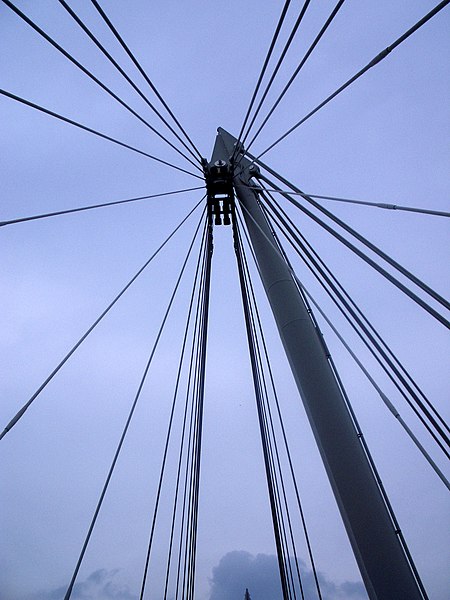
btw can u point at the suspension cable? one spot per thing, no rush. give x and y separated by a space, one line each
348 310
374 354
190 398
375 385
112 60
264 441
383 396
25 407
310 252
256 319
142 72
366 258
94 78
92 206
90 130
128 421
378 58
386 205
277 66
277 404
298 69
183 431
264 67
169 428
423 286
197 413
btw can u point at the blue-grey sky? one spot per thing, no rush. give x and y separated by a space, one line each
383 140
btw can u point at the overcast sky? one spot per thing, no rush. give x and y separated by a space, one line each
383 140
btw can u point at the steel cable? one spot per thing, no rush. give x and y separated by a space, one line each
112 60
94 78
169 428
297 70
283 430
348 310
264 67
92 206
366 258
130 415
25 407
94 131
378 58
285 218
142 72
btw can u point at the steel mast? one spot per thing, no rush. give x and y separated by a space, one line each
385 569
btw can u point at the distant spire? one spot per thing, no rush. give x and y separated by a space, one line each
247 595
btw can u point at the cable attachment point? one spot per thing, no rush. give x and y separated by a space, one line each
219 189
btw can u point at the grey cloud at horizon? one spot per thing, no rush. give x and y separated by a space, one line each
99 585
238 570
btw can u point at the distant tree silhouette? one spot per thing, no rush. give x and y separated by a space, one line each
247 595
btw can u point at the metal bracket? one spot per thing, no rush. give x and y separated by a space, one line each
219 189
227 163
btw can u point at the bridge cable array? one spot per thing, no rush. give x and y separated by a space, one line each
258 340
377 59
128 421
180 569
386 358
25 407
94 78
308 53
93 206
143 73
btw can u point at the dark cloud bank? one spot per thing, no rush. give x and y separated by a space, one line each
236 571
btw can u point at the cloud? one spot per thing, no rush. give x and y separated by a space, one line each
99 585
239 570
235 572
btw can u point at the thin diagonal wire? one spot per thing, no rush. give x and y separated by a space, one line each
89 33
356 424
366 449
371 350
183 541
264 442
275 457
423 286
183 431
86 71
380 392
351 307
349 310
277 67
372 329
298 69
288 453
25 407
94 131
200 393
386 205
130 415
364 444
169 429
142 72
92 206
378 58
190 500
264 67
190 393
367 259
